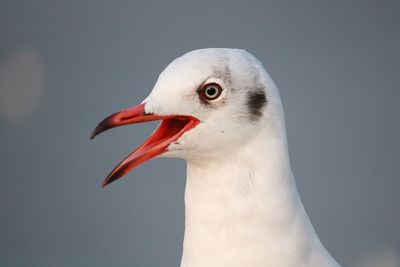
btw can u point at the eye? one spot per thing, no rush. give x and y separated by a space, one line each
210 91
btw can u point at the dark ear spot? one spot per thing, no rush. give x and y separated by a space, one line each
255 103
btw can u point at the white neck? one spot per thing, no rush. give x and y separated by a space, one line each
244 210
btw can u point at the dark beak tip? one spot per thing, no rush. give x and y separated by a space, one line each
93 134
112 176
98 130
106 182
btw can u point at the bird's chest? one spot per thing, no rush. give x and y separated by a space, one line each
238 238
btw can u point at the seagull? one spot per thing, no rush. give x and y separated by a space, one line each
221 112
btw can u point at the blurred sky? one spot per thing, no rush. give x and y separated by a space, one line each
65 65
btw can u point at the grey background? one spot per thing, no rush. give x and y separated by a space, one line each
65 65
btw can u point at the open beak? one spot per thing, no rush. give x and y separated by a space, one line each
170 129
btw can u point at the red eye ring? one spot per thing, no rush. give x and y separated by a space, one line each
210 91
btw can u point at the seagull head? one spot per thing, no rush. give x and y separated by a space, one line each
209 101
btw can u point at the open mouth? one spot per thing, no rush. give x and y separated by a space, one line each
170 129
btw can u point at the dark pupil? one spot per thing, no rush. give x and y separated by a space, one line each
211 91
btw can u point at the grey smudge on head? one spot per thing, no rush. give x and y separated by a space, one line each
255 102
224 74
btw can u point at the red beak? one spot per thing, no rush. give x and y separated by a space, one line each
170 129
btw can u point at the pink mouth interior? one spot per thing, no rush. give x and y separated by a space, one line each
170 129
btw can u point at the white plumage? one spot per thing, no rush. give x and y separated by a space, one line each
241 203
